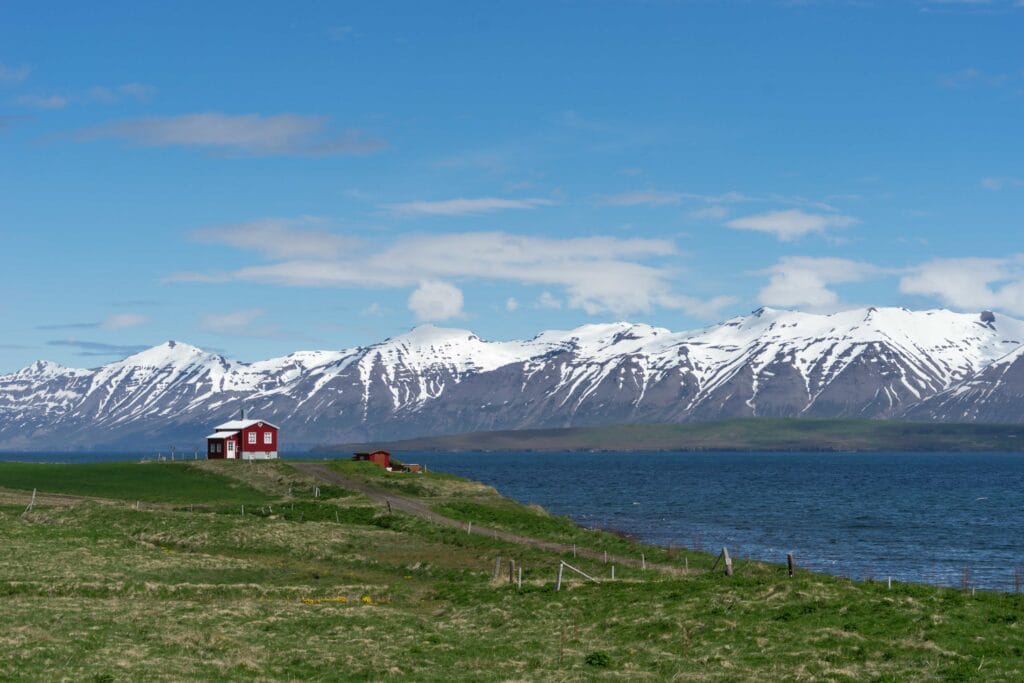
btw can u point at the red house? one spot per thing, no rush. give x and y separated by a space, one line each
379 458
243 439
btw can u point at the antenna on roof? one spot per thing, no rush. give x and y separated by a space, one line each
243 413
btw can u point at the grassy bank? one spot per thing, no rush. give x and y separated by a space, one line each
335 588
754 434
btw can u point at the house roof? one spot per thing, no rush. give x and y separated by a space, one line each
221 435
242 424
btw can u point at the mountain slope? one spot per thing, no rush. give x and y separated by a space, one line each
995 394
865 363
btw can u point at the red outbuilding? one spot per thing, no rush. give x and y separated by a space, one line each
243 439
379 458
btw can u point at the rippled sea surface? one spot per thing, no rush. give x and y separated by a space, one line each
921 517
911 516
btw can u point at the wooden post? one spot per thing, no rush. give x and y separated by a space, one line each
574 550
316 492
561 566
613 572
889 582
606 557
388 503
511 571
728 561
243 511
520 586
790 564
643 562
31 503
497 566
686 562
336 516
469 529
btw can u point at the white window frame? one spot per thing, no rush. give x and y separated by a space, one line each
252 438
268 438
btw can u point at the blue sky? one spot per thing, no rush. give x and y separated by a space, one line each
259 178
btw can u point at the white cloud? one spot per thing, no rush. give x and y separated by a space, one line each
43 101
970 76
643 198
235 322
995 184
280 237
799 281
97 94
250 134
436 300
511 304
971 283
791 224
14 74
715 212
112 94
549 300
462 206
597 274
120 321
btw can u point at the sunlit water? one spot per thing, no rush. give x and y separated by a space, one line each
921 517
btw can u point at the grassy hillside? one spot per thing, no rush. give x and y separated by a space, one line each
336 588
761 434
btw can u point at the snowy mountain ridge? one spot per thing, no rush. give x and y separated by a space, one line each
869 362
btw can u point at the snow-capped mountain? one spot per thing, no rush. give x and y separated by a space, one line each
995 394
877 363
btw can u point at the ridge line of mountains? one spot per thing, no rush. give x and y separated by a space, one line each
879 363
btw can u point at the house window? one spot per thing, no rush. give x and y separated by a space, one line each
268 438
252 438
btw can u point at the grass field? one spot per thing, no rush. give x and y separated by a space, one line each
753 434
153 482
335 588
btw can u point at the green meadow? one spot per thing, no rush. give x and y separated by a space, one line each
299 586
154 482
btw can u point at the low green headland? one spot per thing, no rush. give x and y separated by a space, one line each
315 580
750 434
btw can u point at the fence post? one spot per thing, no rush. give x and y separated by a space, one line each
613 572
511 571
561 566
497 566
31 503
643 562
790 564
520 586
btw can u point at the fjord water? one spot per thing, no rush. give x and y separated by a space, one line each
921 517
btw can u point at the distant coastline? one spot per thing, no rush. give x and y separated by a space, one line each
764 434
